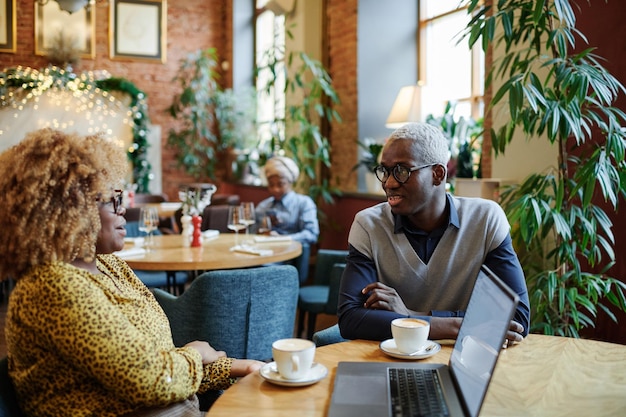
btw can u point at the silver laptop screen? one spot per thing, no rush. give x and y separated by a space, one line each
480 338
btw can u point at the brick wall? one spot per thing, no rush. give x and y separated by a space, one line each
195 24
191 25
341 27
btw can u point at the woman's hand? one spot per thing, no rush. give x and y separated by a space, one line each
209 355
243 367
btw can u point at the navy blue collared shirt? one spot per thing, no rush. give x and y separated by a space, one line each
424 243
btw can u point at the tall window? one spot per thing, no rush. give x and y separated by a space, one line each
270 82
448 70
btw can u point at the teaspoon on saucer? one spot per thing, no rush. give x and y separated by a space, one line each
421 351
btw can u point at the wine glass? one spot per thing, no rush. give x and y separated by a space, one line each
265 225
148 223
235 221
248 217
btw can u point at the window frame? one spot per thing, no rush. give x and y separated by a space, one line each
272 127
477 67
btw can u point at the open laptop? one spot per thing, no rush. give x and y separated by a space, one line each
364 389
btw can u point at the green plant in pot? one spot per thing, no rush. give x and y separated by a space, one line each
213 123
371 154
299 132
558 93
465 137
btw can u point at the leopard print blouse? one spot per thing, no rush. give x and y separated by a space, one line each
81 344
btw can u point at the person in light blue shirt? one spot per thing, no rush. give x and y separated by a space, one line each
290 213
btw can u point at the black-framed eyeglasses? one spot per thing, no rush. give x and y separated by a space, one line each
117 201
399 172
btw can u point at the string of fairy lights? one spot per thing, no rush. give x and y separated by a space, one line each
94 96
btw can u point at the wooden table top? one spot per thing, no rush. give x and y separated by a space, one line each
168 254
542 376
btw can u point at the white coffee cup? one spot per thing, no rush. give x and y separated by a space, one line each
410 334
294 357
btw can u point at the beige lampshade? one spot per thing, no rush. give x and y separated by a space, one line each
72 6
280 7
406 108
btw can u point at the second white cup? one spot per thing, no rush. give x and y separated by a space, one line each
410 334
294 357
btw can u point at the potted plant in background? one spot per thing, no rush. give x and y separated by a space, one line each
214 124
557 93
235 113
300 132
465 136
370 157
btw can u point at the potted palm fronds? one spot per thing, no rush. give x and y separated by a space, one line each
555 91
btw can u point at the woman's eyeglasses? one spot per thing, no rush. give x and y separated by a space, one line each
117 201
399 172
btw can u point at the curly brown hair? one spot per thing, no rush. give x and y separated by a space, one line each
51 183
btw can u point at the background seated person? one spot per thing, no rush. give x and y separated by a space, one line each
418 254
291 213
85 337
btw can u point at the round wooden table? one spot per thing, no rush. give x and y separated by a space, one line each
542 376
168 254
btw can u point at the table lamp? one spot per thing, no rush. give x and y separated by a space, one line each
406 108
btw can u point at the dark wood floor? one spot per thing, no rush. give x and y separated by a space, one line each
323 321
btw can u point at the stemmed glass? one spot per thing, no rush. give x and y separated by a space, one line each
148 223
248 217
265 225
235 222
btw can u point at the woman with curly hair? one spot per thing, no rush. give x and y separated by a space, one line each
85 337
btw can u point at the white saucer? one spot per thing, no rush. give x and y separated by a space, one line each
389 347
270 374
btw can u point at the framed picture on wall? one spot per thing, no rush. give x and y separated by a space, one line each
57 29
7 25
138 30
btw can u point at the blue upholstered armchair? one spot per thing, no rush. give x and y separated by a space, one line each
328 336
322 296
239 311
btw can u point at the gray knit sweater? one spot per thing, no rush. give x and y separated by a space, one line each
446 282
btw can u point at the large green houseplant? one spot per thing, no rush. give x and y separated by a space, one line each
310 106
555 91
213 123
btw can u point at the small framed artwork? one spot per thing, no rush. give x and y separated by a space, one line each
55 28
138 30
7 25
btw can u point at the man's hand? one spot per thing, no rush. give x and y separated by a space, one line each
514 334
382 297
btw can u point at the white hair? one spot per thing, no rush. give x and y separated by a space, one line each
428 144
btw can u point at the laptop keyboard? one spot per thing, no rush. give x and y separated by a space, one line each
416 393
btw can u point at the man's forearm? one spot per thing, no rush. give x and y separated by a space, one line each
444 327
